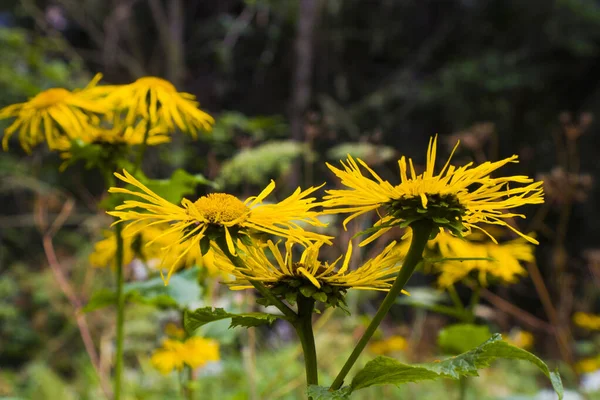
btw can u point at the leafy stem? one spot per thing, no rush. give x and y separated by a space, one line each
421 231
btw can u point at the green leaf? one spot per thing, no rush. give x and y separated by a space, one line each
459 338
193 320
100 299
181 291
323 393
385 370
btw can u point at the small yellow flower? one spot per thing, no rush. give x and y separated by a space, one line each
52 114
519 338
216 215
393 344
457 198
158 102
587 321
327 282
194 352
504 264
587 365
172 330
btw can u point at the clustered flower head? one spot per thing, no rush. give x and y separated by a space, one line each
217 217
289 277
457 199
194 352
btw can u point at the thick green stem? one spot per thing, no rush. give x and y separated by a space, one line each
304 329
262 289
463 384
120 310
420 235
473 303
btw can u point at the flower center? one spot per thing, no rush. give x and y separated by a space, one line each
220 208
154 82
49 98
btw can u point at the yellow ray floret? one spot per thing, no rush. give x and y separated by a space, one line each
52 114
268 265
194 352
587 321
217 214
158 102
469 193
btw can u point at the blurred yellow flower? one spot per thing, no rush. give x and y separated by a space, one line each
117 135
457 199
148 245
587 321
216 216
393 344
194 352
52 114
520 338
587 365
268 265
157 101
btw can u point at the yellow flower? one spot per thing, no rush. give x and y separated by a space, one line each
116 135
519 338
457 199
157 101
52 114
505 264
216 216
393 344
323 281
194 352
174 331
588 365
148 244
587 321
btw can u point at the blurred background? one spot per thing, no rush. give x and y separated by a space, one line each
292 85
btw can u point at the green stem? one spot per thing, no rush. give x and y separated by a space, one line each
190 382
140 157
455 298
120 310
420 235
262 289
304 329
463 384
473 303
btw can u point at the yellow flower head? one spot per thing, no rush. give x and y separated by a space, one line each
148 245
587 321
194 352
504 264
52 114
216 216
287 276
457 198
393 344
158 102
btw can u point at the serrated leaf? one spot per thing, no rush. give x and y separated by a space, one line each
193 320
323 393
385 370
459 338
